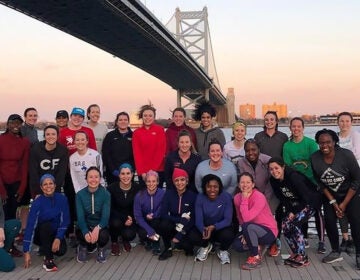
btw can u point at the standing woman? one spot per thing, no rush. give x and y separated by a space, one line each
296 153
47 223
48 157
338 175
213 219
256 164
185 158
93 211
271 140
122 221
28 128
149 145
99 129
234 149
82 159
301 201
147 212
218 166
258 226
117 147
178 124
205 113
349 139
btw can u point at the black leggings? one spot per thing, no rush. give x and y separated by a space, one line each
224 236
118 228
102 240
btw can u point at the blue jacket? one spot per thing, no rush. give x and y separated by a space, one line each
54 209
218 212
173 206
145 204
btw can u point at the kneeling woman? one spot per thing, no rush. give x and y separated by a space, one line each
93 211
301 200
47 223
213 216
147 206
258 226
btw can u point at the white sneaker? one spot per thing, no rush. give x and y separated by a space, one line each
224 256
203 253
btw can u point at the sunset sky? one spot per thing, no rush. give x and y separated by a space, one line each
302 53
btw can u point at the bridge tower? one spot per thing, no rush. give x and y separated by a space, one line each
191 30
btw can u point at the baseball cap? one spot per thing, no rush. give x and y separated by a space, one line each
62 113
78 111
14 117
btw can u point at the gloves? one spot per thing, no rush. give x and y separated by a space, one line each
186 215
179 227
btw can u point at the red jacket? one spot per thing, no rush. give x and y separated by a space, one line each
66 138
14 162
149 147
172 134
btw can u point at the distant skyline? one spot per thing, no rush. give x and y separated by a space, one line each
301 53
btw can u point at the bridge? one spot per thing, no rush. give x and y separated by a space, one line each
128 30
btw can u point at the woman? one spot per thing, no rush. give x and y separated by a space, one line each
62 119
47 223
258 227
213 217
177 216
149 145
185 158
82 159
99 129
147 210
234 149
296 153
256 164
48 157
178 124
122 221
8 231
300 200
349 139
117 147
28 128
93 211
208 130
271 140
338 175
218 166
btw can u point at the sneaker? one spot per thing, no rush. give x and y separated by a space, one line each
224 256
332 257
101 256
321 248
306 241
274 250
115 249
177 248
290 259
91 248
278 243
14 252
358 262
167 253
20 238
49 265
300 261
155 248
81 254
251 263
126 246
148 245
203 253
343 245
350 248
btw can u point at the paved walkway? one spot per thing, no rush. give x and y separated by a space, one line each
139 264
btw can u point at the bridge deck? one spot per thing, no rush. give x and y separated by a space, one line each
139 264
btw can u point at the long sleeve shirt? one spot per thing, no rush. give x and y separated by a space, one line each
92 208
53 209
218 212
145 204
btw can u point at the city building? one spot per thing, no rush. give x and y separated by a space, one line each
280 109
247 111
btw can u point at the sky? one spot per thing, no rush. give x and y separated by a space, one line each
302 53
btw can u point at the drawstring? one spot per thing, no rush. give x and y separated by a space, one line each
92 204
179 206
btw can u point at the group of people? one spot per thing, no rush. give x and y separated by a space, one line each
193 190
